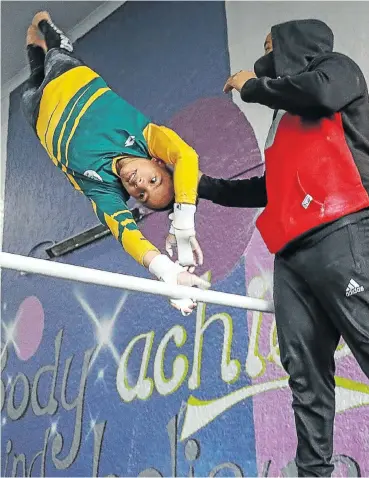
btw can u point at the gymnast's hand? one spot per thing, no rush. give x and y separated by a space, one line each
182 236
238 80
172 273
186 306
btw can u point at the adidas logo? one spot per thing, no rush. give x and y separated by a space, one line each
353 288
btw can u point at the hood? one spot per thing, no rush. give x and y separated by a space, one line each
297 43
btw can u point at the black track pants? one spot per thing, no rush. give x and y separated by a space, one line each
321 292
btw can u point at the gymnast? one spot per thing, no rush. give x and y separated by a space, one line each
109 151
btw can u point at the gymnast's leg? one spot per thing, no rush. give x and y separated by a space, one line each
60 57
36 50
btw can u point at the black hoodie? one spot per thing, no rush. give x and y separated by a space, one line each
317 151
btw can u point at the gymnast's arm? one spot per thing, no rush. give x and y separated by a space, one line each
111 209
234 192
165 144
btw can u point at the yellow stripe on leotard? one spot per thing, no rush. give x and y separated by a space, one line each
55 98
64 127
89 102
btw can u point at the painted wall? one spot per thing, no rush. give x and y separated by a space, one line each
97 382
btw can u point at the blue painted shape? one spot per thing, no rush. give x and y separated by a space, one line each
136 435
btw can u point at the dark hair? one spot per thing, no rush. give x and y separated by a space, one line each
168 207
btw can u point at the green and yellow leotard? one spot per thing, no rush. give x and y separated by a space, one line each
85 128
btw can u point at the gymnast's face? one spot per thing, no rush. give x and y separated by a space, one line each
148 181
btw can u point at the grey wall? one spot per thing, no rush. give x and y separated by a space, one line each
249 23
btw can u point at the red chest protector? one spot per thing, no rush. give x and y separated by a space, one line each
311 178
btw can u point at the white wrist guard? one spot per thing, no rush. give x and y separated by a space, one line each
164 269
184 216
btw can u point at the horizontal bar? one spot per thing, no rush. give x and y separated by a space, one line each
120 281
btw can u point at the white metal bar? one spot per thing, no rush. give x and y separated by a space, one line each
139 284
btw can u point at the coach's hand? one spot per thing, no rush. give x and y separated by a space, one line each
238 80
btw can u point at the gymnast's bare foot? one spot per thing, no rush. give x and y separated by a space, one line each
54 37
39 17
34 39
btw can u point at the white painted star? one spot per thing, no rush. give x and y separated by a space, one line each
9 333
104 328
101 378
93 422
54 428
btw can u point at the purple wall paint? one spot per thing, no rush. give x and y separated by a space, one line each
226 145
